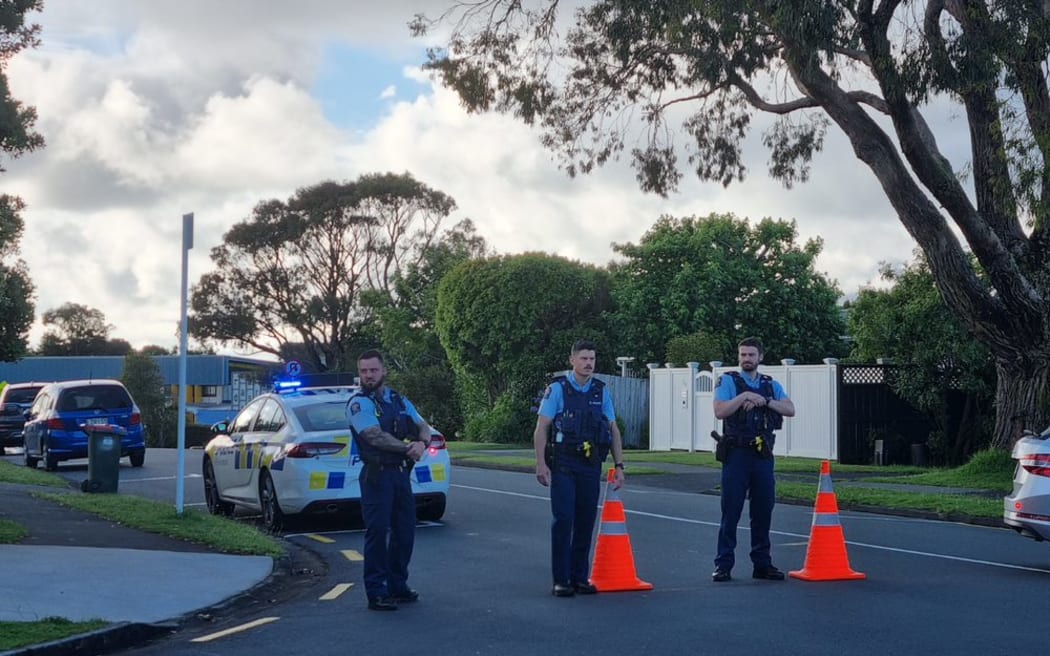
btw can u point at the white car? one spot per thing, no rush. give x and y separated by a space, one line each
1027 509
292 453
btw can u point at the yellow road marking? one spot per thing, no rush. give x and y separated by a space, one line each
235 629
352 555
335 592
321 538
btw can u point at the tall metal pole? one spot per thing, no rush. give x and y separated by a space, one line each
187 244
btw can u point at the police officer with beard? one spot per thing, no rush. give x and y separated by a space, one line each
752 406
575 430
390 437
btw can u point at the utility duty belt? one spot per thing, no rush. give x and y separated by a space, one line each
372 469
586 450
763 445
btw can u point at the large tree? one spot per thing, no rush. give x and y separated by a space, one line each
508 321
17 137
938 368
295 272
75 329
870 68
417 362
720 275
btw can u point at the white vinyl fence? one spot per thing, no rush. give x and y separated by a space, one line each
681 412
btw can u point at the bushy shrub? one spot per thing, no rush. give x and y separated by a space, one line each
508 422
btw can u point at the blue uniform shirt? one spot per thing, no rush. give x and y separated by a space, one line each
361 411
727 392
554 402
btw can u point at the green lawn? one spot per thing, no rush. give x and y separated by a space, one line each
21 634
11 532
11 473
193 526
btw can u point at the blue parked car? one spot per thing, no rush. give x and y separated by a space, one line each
53 430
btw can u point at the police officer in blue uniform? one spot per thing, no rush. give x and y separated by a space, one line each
752 406
575 430
390 437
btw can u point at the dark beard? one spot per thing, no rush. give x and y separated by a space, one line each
369 389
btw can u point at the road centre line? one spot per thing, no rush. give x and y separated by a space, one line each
235 629
336 592
158 478
866 545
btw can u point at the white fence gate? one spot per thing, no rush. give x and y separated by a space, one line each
681 412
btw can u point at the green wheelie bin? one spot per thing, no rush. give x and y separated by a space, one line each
103 457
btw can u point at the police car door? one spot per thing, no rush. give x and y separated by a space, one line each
234 474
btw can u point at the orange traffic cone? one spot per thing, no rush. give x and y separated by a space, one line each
613 568
826 558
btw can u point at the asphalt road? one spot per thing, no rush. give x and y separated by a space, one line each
483 576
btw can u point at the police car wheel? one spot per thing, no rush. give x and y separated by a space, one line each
216 506
432 512
273 516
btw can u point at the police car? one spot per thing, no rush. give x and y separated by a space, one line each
1027 508
291 453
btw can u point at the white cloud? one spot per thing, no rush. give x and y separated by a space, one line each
151 110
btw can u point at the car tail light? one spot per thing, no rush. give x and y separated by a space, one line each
56 424
1037 463
437 442
136 419
313 449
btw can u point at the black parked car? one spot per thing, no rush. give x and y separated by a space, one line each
15 399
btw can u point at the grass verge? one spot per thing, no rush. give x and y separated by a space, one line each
11 532
941 504
469 457
193 526
21 634
987 470
10 473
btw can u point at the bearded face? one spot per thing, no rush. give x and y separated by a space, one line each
372 374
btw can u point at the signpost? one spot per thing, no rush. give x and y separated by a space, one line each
180 476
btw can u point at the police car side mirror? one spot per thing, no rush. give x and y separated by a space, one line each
220 427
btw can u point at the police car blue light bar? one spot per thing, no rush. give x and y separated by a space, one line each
286 385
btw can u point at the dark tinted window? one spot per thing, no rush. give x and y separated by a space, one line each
243 421
24 395
93 397
271 417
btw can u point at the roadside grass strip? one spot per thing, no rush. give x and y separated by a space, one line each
225 535
21 634
11 473
11 532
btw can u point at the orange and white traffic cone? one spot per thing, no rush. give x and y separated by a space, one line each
826 558
613 567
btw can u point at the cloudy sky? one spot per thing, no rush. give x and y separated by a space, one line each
154 109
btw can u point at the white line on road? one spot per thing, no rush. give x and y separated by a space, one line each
236 629
686 520
158 478
336 592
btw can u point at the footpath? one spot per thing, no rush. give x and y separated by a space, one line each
79 566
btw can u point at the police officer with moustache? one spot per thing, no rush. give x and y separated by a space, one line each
390 437
752 406
575 430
